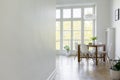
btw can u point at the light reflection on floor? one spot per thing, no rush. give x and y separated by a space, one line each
69 69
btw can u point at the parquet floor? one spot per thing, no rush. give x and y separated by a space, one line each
69 69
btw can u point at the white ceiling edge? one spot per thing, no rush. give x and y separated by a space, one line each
75 4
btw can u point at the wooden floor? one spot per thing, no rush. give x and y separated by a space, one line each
70 69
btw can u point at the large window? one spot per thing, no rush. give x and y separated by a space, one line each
74 24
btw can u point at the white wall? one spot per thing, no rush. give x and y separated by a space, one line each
103 16
27 39
115 4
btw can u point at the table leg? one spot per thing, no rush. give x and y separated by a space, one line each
78 53
96 56
104 55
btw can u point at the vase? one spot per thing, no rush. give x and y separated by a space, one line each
67 53
115 75
94 42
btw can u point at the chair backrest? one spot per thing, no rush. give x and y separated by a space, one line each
84 49
109 50
100 48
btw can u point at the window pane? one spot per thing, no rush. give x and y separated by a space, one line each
88 31
76 35
66 13
57 13
66 35
77 13
57 25
86 42
77 25
57 45
88 11
67 25
88 25
88 35
57 35
67 42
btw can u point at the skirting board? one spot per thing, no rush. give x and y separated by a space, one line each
52 75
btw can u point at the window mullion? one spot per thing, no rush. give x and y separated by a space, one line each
82 25
61 30
71 28
94 28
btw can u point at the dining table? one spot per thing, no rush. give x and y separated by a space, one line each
96 46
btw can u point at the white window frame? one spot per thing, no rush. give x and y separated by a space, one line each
73 19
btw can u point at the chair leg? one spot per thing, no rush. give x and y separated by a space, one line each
75 56
93 58
104 57
87 56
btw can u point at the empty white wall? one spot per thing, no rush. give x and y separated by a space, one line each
27 39
115 4
103 16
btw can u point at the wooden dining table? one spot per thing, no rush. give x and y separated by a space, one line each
96 46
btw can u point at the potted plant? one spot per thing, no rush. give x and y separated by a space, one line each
67 48
93 39
115 69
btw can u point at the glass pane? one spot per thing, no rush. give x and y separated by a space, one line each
57 25
66 35
58 45
88 35
88 25
67 42
88 31
57 35
88 11
87 42
76 35
66 13
77 25
67 25
57 13
77 13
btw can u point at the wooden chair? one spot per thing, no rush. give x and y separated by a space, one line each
84 52
104 55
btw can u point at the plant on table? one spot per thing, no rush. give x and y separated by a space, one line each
93 39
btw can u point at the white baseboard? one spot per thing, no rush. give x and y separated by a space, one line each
52 75
63 52
66 55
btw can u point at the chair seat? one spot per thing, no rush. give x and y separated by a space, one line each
83 55
100 53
